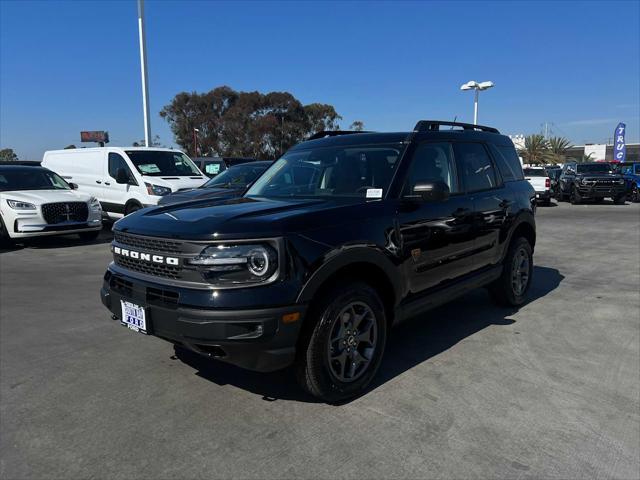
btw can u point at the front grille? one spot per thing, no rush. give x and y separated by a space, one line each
162 297
65 212
148 268
147 243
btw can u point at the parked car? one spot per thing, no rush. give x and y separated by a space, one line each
212 166
554 178
230 183
582 181
341 238
630 171
36 202
541 183
125 179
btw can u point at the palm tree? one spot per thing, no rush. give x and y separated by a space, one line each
558 147
536 150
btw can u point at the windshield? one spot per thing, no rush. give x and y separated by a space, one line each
535 172
238 176
31 179
349 171
158 163
594 168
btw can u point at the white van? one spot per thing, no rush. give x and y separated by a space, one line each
125 179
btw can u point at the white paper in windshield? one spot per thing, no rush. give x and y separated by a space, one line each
374 193
149 168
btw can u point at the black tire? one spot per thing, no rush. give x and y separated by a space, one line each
599 199
5 239
503 290
575 197
635 195
89 236
318 360
132 207
620 199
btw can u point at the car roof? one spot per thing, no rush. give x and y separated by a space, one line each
21 168
371 138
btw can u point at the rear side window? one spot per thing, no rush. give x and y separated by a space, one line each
475 165
508 162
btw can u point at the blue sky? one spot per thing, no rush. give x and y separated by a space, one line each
71 66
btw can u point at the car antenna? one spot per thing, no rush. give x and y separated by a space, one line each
454 121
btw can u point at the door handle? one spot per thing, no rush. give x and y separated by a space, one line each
107 183
461 212
98 181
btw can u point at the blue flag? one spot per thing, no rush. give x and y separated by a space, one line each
619 149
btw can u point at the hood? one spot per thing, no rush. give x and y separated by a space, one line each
39 197
176 183
246 217
199 194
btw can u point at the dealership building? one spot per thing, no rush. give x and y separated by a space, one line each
603 152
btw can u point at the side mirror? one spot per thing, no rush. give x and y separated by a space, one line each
431 191
73 186
122 176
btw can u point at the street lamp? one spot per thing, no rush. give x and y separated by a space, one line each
473 85
195 142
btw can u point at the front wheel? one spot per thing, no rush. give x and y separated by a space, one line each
575 197
342 346
512 286
619 200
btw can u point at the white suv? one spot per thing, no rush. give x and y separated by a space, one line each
35 201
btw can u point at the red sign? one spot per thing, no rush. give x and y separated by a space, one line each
99 136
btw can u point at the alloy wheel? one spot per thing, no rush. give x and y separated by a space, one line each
352 342
520 272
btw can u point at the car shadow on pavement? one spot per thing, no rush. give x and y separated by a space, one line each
408 345
58 241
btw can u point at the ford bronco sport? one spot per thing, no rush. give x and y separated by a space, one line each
343 237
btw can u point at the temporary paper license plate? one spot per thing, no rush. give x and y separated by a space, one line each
133 316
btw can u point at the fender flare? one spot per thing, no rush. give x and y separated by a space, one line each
345 257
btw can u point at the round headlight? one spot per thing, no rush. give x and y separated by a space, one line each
258 261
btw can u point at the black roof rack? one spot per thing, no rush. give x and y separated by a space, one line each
434 125
333 133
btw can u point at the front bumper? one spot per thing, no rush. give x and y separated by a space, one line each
543 195
595 190
32 224
255 339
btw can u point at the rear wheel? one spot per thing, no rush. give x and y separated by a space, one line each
512 286
89 236
342 345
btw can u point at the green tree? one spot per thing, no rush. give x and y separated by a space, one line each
536 150
244 124
70 147
558 147
155 142
357 126
8 155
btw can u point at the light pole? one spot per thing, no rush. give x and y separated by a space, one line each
143 72
473 85
195 142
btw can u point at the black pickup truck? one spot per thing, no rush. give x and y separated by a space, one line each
591 181
346 235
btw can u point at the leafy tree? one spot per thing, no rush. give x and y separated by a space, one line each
155 142
536 150
244 124
357 125
558 147
70 147
8 155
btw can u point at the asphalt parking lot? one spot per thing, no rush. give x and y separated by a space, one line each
468 391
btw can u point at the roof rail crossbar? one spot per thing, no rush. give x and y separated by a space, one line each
434 125
333 133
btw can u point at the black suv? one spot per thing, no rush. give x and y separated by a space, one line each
346 235
590 181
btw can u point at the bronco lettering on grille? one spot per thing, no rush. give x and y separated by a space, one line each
147 257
